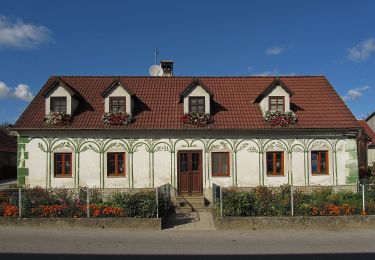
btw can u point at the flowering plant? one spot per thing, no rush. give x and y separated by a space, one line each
57 118
277 118
198 119
117 118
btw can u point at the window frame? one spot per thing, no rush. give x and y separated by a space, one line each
221 174
318 159
51 103
277 102
274 173
116 174
116 98
63 169
197 98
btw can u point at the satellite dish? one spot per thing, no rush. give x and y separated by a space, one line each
156 70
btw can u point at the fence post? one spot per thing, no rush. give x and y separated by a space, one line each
363 198
291 201
19 203
88 202
221 202
157 202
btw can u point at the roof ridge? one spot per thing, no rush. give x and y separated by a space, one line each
192 76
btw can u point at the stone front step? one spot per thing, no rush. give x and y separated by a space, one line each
190 204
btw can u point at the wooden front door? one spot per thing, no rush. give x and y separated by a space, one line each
190 173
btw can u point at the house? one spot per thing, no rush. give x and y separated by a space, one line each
191 132
8 156
368 126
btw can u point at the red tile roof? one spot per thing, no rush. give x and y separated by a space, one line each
368 130
158 107
7 143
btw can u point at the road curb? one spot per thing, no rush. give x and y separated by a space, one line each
305 222
127 223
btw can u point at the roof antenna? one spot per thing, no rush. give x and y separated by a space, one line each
156 52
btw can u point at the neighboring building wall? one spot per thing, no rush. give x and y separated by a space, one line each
371 123
371 155
152 162
8 165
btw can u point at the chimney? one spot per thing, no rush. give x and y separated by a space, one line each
167 66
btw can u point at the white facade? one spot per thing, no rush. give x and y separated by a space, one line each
152 161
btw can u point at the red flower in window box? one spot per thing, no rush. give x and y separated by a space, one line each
198 119
117 118
57 118
277 118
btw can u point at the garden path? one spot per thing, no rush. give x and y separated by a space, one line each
194 221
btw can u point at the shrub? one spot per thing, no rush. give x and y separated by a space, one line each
141 204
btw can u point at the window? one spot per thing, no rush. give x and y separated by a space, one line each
58 104
276 103
115 164
319 162
117 104
63 164
275 163
196 104
220 164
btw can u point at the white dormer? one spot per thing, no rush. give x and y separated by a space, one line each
60 98
118 98
275 97
197 98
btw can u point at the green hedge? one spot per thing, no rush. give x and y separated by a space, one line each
322 201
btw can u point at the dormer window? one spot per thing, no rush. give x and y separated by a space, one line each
118 98
197 105
277 103
196 98
58 104
117 104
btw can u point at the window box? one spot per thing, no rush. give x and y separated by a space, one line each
57 118
117 118
198 119
277 118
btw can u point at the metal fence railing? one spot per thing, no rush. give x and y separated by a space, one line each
84 202
294 200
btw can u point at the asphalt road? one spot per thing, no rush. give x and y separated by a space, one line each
174 242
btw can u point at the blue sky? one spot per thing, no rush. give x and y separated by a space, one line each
236 38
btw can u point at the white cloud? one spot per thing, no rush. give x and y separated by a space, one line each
362 51
22 91
17 34
266 73
274 72
276 50
4 90
355 93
